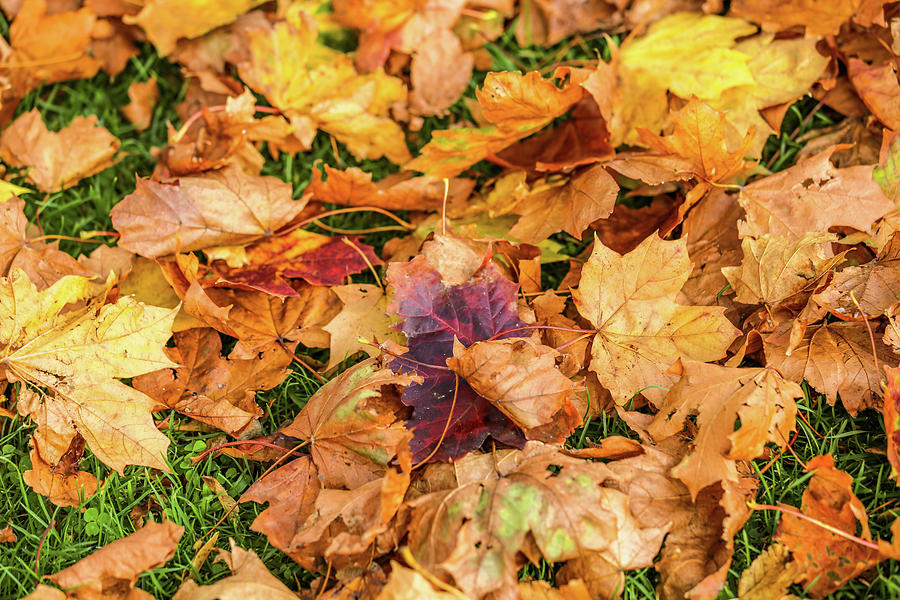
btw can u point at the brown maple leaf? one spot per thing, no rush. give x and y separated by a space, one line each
48 155
760 399
113 570
352 425
210 388
826 560
812 196
221 208
42 262
836 359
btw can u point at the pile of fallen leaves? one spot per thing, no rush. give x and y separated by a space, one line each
438 466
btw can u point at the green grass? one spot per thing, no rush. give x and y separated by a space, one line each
52 538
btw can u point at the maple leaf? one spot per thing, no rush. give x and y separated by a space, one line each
343 527
689 54
222 208
700 135
45 49
165 21
519 376
641 331
301 254
249 579
63 484
776 267
760 399
354 187
819 17
869 288
209 388
352 426
769 575
362 317
887 174
476 531
449 417
515 105
75 352
258 320
878 89
48 155
439 73
43 263
812 196
549 206
835 358
318 88
142 96
114 569
827 560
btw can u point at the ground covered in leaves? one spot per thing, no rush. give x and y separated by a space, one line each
445 299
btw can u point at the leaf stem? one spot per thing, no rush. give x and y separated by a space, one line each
795 513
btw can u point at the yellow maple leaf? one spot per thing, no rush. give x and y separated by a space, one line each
687 53
319 88
641 331
165 21
73 348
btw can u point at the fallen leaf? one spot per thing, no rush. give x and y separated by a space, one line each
407 584
812 196
114 569
300 254
45 48
63 484
518 376
836 359
210 388
820 17
362 317
515 105
449 417
319 88
7 535
560 513
221 208
165 21
776 267
826 561
641 331
48 155
75 357
878 89
142 96
354 187
249 579
352 426
759 399
42 262
439 73
868 288
769 575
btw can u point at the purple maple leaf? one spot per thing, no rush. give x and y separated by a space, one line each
435 313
